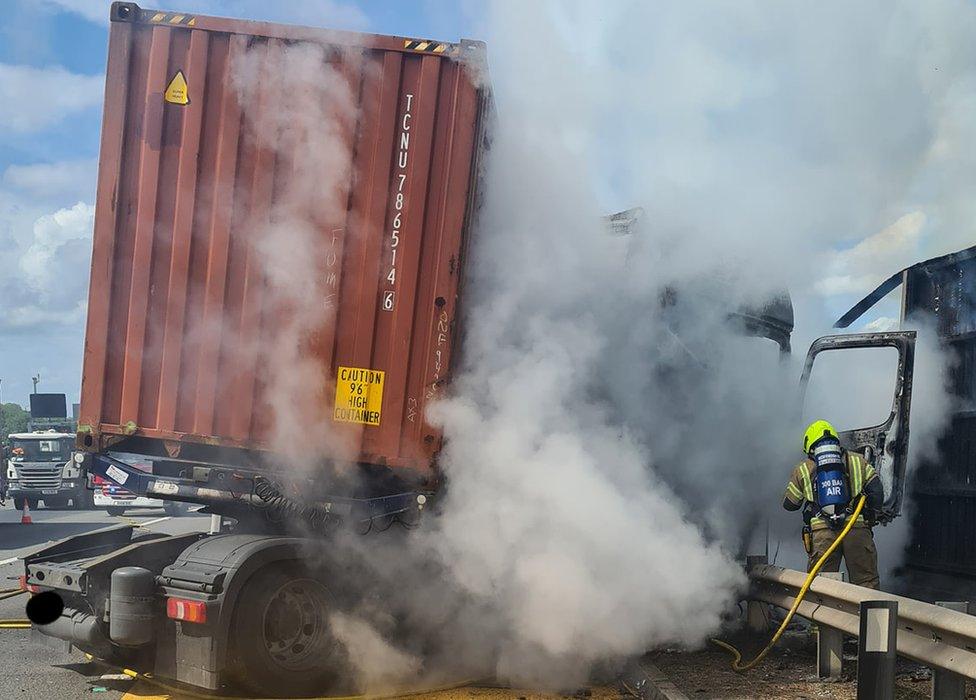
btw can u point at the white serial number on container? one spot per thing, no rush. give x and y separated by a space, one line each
399 199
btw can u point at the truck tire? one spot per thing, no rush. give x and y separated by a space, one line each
284 646
115 511
19 503
55 503
33 503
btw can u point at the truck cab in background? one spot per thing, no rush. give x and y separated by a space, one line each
42 467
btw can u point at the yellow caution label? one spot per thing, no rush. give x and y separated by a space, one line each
359 395
177 92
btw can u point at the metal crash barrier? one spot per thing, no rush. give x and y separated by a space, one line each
934 635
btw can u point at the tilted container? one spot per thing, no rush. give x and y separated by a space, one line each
280 231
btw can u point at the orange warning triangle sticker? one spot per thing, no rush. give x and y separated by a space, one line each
177 92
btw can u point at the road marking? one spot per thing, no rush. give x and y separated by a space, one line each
11 560
157 520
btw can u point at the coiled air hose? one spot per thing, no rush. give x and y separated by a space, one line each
282 507
737 664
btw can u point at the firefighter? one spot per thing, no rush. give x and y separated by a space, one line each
827 485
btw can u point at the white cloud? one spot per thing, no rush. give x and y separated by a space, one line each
36 317
92 10
70 180
326 13
43 288
315 13
860 269
35 99
48 282
882 324
51 234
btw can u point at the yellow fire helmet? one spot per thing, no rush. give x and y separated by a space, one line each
818 430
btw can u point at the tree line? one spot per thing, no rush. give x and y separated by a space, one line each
13 419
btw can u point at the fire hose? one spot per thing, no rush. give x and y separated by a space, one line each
13 624
149 678
737 664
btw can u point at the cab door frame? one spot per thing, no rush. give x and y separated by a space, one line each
884 445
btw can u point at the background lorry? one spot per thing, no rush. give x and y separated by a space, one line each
41 467
42 464
186 339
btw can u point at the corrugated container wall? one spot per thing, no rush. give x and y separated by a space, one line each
944 516
280 227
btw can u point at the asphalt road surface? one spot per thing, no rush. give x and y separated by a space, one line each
29 668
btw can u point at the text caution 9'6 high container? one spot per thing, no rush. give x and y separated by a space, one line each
280 232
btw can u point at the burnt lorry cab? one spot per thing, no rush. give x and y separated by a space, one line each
885 444
940 293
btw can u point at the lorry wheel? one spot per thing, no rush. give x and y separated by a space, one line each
19 503
55 503
284 642
86 501
115 511
33 503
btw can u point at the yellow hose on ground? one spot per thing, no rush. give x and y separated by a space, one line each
206 696
15 624
26 624
736 661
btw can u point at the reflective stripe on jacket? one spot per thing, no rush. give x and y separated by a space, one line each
801 488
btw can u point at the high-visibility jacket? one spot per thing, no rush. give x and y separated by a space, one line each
801 485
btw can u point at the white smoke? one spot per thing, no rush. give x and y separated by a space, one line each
612 442
300 109
609 445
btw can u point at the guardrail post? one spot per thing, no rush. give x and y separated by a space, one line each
756 619
877 650
947 685
830 642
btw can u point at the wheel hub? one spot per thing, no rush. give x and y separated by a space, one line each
295 630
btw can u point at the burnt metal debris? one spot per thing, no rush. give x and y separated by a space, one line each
942 290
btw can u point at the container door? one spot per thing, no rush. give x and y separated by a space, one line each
862 384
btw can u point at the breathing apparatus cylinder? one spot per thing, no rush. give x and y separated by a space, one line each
833 494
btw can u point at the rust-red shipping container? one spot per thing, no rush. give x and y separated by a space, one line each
280 227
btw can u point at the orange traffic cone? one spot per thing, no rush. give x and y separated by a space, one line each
25 518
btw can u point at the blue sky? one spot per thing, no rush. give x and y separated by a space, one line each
837 145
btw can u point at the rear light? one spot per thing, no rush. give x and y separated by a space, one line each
24 586
186 610
97 480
